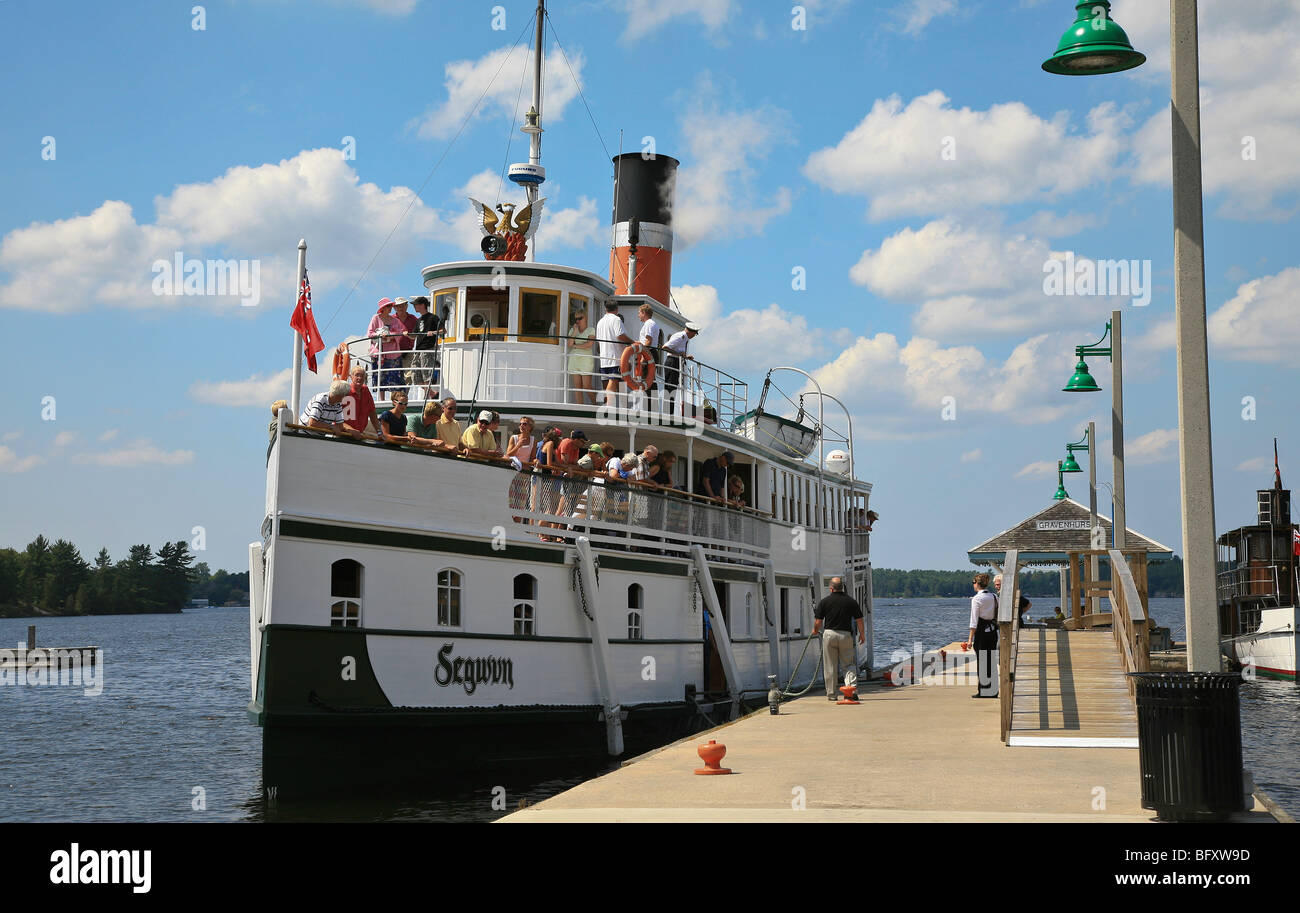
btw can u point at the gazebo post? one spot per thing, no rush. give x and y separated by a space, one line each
1065 589
1076 607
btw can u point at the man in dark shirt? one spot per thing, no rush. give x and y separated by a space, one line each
713 475
423 361
836 613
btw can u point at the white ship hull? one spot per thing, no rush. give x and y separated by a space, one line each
1270 650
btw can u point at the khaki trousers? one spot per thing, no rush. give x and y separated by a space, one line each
838 649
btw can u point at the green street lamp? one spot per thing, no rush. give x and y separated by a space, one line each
1093 44
1070 464
1061 493
1082 380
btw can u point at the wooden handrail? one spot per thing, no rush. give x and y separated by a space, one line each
1008 627
1128 619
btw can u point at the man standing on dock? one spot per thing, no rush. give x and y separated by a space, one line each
837 612
984 635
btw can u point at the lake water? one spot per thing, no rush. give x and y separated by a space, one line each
168 739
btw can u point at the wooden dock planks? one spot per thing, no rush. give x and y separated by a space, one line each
1070 690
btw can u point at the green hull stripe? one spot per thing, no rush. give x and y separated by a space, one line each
616 562
301 529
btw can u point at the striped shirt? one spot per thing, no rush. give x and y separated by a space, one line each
321 409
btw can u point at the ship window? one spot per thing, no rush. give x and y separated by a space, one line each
525 610
635 597
749 614
785 610
539 315
773 493
444 300
487 310
345 594
798 622
449 598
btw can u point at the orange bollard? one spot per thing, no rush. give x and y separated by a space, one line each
850 695
711 754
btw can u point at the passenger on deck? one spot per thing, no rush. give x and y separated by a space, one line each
548 454
651 337
662 473
1059 616
384 332
675 354
449 429
735 491
424 368
643 464
406 342
478 439
572 447
325 411
425 427
275 415
521 445
581 361
713 475
611 336
597 457
359 405
392 424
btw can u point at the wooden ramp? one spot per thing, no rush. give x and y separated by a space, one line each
1071 691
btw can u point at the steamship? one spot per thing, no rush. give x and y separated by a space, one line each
417 612
1257 585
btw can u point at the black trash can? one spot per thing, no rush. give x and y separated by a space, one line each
1189 744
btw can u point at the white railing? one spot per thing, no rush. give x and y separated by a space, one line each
505 370
1259 581
612 513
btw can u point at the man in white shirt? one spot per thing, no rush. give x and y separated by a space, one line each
651 337
611 338
674 355
984 636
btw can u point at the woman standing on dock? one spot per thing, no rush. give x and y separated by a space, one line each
984 635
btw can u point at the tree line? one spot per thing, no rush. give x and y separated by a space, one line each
54 579
1164 578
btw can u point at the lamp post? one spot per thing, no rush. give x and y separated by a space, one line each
1094 50
1061 493
1083 382
1088 444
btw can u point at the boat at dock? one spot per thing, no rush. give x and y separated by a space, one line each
1257 585
415 612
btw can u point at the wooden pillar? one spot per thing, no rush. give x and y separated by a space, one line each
1076 607
1065 590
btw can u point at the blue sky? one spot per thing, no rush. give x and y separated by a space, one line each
912 158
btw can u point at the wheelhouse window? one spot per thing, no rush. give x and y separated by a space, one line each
525 609
635 602
345 593
444 304
487 311
449 591
539 315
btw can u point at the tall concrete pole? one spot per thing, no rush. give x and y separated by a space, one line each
1117 425
1194 455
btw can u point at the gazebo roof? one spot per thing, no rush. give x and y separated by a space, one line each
1047 536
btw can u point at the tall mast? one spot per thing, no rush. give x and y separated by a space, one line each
531 175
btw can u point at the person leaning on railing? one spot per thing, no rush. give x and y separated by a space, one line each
324 411
478 439
449 430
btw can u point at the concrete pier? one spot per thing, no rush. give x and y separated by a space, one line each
922 753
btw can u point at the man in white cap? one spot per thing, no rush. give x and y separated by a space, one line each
478 439
674 354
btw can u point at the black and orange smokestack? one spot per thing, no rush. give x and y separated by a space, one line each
641 261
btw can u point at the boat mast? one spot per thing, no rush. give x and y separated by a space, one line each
531 174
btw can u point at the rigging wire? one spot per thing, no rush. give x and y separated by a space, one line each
415 196
514 119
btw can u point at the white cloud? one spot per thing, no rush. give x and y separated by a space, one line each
969 281
1152 447
11 462
497 73
141 452
1004 154
247 213
717 194
917 14
11 436
1036 470
257 390
738 340
1259 323
1249 71
972 456
1048 224
1255 464
645 16
64 438
108 435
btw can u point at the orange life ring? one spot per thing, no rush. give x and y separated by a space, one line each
341 362
645 365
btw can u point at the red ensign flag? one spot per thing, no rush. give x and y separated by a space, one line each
305 323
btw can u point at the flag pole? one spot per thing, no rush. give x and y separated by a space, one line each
296 395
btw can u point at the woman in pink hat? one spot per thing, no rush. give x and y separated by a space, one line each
385 349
